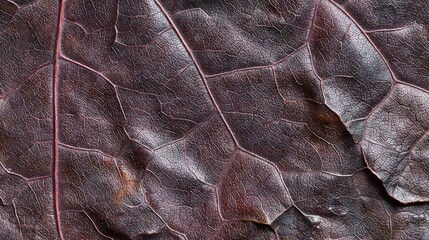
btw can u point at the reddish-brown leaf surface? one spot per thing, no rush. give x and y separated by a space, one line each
229 119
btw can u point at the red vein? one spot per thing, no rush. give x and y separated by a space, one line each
367 37
200 72
55 117
290 55
23 81
313 20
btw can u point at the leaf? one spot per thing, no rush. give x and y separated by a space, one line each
162 119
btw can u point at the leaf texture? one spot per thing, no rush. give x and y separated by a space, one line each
229 119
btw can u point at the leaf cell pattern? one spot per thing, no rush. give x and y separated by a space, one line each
229 119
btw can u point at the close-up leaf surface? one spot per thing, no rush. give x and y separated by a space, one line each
204 119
